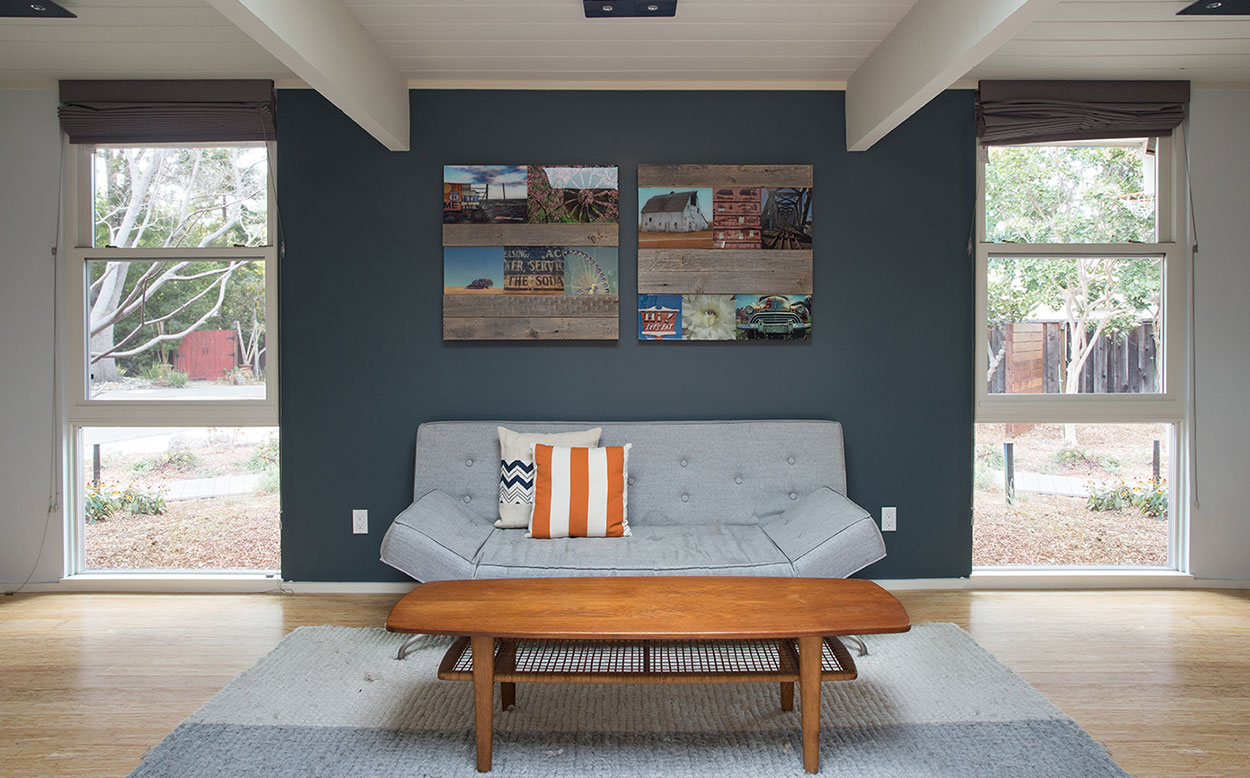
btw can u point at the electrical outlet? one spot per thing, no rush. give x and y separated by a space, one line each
360 522
889 519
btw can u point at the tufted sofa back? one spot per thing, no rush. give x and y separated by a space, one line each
680 472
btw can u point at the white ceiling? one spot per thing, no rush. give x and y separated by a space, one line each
711 43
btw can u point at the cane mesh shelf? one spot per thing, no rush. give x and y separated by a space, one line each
646 661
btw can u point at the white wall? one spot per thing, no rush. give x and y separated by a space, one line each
1219 164
29 191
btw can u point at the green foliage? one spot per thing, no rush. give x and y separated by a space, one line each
1114 497
1079 457
162 374
176 197
141 502
170 460
99 502
989 454
1051 194
265 461
239 376
104 501
1151 499
985 478
186 197
1017 287
1055 194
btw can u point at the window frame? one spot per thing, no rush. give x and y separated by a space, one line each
253 412
1168 407
81 412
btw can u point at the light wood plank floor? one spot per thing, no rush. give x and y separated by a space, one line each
88 682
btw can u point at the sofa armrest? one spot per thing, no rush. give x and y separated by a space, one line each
826 535
435 539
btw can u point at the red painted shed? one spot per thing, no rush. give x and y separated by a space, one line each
206 354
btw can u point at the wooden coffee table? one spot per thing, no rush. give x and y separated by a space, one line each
648 630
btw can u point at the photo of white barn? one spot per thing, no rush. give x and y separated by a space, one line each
673 212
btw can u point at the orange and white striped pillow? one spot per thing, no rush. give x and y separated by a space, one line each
580 492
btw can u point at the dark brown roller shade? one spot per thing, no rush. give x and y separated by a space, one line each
167 111
1011 112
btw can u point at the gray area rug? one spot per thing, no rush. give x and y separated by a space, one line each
333 702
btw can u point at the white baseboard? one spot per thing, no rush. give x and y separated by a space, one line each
348 587
170 583
208 583
990 580
987 580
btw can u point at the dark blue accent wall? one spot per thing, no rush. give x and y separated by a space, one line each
362 356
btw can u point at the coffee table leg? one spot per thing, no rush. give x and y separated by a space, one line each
507 696
507 662
484 697
784 660
809 700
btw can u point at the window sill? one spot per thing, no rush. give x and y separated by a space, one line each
1081 578
189 582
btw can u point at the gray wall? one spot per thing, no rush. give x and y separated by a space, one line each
371 417
30 143
363 360
1220 178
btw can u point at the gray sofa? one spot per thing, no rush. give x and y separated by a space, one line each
704 498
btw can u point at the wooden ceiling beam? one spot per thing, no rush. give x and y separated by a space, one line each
323 43
935 44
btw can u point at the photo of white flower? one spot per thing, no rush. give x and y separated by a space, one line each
708 317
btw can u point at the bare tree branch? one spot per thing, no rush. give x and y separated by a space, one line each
123 311
221 295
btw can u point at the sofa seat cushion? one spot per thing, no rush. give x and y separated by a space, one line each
709 549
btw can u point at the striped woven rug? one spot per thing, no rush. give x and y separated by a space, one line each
334 702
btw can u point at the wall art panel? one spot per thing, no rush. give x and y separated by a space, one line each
724 252
530 252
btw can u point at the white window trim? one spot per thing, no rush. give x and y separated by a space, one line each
1169 407
81 412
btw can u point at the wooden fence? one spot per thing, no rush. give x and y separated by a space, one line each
1035 360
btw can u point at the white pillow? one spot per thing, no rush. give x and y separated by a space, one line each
516 470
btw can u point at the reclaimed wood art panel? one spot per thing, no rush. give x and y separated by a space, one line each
530 252
724 252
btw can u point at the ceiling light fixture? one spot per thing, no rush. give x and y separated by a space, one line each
1216 8
25 9
597 9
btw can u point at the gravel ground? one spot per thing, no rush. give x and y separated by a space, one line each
1116 451
222 533
1045 529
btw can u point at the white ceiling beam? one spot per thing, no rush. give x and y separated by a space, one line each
322 43
935 45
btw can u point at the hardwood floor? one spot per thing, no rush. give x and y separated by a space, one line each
88 682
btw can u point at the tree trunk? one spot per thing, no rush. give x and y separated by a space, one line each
103 307
111 290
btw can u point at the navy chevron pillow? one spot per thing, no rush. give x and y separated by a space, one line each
516 482
516 470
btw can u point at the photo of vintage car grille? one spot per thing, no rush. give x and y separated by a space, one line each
774 316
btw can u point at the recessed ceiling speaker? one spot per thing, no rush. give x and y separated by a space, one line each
33 9
611 9
1216 8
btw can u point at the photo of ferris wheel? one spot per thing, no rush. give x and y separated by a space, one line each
590 270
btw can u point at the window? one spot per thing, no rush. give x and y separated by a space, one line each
175 329
1079 355
179 498
172 380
